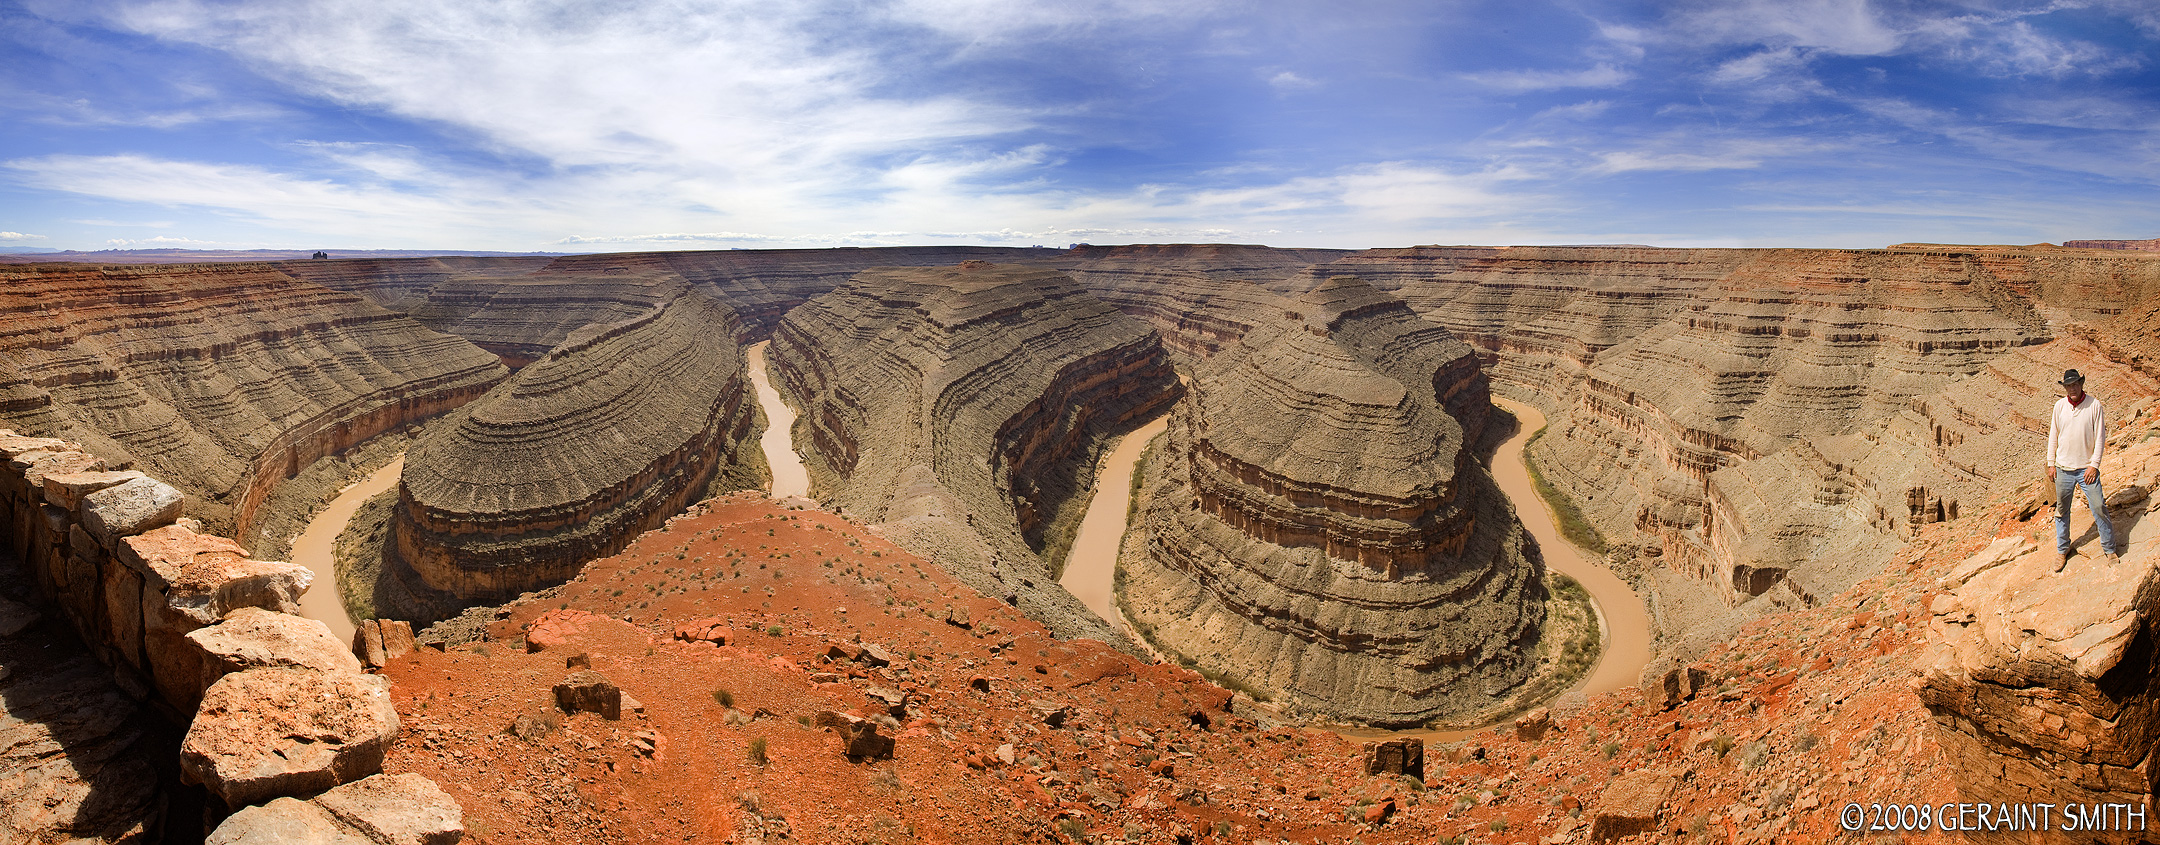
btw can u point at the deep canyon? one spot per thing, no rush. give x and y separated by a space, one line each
1813 466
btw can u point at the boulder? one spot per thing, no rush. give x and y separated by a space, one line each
1050 713
2038 680
894 701
252 638
712 631
859 739
129 508
270 732
590 692
406 809
205 577
1630 805
67 489
376 642
1396 757
403 809
1665 683
285 821
16 617
1534 724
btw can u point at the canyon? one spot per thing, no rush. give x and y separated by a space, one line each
1779 447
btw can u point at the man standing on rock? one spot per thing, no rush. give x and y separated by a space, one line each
2077 430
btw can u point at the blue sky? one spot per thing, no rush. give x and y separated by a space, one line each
415 124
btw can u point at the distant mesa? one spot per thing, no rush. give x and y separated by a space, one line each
2148 245
965 408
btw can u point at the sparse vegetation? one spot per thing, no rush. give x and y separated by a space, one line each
757 751
1573 524
723 697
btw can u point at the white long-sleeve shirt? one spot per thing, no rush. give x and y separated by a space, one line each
2076 433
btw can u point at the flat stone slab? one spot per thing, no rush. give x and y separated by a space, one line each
129 508
67 489
405 809
265 733
1630 805
253 638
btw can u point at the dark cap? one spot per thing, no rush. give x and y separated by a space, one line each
2073 377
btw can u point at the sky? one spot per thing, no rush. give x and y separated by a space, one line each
637 125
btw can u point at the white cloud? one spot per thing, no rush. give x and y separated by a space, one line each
1847 27
1291 81
19 237
1598 76
162 242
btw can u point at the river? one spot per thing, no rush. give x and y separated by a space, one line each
789 478
1091 567
314 548
1620 612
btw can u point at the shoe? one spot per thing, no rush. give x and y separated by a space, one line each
2061 558
2110 558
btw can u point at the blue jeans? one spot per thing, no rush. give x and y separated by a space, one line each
2067 480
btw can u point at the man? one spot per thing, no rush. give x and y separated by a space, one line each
2077 429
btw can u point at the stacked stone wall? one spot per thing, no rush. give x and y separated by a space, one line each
276 709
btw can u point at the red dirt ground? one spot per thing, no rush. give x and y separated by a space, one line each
1807 711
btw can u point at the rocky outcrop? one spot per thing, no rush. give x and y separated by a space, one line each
964 408
2041 682
272 732
1321 527
184 622
220 379
614 431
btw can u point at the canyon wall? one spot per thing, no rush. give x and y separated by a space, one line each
1319 527
611 432
224 379
963 408
520 308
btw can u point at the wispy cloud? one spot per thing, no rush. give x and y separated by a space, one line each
1599 76
19 237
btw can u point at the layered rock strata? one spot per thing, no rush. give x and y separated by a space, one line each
964 408
613 431
519 308
1320 527
1790 350
2040 682
1539 315
221 379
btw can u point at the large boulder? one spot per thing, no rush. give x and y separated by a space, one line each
270 732
286 821
405 809
1630 805
67 489
2040 682
590 692
382 810
252 638
128 508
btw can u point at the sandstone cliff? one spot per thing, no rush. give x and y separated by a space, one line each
1319 527
223 379
963 408
610 433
